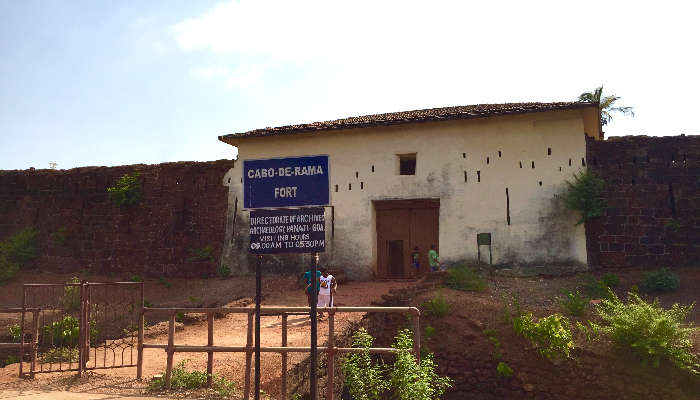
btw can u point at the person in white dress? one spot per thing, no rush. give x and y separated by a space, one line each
327 291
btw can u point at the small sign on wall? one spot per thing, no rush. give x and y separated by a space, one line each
290 230
286 182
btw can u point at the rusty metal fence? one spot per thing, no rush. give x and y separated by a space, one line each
171 348
80 326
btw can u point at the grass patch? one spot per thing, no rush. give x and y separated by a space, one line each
574 303
182 379
465 278
660 281
437 307
60 355
649 330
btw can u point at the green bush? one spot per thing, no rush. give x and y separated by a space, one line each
181 379
436 307
136 278
11 359
504 370
550 335
574 303
411 380
610 280
429 332
201 254
16 251
465 278
363 378
649 330
15 333
595 288
126 191
60 354
585 195
71 296
224 271
661 280
66 332
492 335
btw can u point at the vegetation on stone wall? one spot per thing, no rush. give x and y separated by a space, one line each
661 280
585 195
16 251
126 191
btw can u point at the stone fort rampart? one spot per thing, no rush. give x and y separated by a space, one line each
652 218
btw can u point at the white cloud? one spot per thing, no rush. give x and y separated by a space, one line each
233 78
372 56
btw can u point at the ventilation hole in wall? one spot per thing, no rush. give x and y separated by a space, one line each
559 169
549 151
533 164
487 160
241 180
673 157
357 174
685 157
464 155
373 168
478 176
569 162
521 164
583 162
336 188
233 224
349 186
229 180
499 153
465 176
507 207
540 183
362 185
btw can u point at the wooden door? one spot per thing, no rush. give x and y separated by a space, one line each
403 225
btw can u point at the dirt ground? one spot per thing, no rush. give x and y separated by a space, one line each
471 312
230 330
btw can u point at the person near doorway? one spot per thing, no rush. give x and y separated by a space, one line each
327 291
415 259
308 290
433 258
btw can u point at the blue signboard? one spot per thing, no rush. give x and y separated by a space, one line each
287 230
286 182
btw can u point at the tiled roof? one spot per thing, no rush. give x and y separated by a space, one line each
403 117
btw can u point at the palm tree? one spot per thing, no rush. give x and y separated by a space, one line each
606 104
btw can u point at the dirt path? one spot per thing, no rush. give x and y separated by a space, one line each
230 330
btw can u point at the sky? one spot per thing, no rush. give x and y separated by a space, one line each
113 83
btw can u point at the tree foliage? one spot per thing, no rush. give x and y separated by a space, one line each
606 104
126 191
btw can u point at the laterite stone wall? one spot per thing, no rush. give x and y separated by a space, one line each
183 208
653 194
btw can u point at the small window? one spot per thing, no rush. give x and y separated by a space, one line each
407 164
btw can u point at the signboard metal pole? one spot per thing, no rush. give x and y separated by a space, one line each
258 289
314 330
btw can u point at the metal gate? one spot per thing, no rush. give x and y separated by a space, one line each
80 326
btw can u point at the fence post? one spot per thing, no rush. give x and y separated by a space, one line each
284 357
330 384
139 354
210 342
35 341
416 334
170 349
248 357
21 329
81 335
